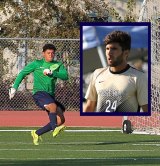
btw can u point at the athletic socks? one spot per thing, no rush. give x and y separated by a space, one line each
44 129
50 126
53 120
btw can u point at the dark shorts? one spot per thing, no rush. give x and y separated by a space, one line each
42 98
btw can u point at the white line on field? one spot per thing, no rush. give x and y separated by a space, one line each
146 144
56 143
105 130
105 150
76 150
91 130
73 143
119 158
16 130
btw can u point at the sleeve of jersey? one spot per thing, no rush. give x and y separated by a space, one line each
91 93
61 73
142 90
27 70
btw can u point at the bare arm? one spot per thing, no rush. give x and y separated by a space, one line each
145 108
89 106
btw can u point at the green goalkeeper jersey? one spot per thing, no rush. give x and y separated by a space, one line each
43 82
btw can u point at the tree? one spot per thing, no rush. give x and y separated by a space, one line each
54 18
130 16
37 18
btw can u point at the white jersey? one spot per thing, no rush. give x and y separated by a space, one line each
123 91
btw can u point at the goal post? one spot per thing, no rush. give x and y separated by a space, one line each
150 12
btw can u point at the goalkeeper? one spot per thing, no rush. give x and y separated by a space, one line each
45 72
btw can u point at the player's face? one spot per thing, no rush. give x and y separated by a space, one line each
115 55
48 55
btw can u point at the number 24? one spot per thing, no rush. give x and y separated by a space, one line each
111 107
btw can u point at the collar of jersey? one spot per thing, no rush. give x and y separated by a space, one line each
47 62
122 71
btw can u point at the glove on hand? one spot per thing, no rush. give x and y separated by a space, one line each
12 92
47 72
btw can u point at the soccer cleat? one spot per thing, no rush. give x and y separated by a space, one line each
58 129
35 137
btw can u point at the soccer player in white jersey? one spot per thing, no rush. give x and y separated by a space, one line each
118 87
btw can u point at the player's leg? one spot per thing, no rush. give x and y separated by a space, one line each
36 134
41 99
60 113
47 128
47 102
35 137
51 108
60 120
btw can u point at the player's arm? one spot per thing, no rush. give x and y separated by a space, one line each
91 96
89 106
27 70
145 108
61 73
142 92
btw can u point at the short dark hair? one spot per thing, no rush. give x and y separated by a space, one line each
49 47
123 38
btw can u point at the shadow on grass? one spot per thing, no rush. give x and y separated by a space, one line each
126 142
84 162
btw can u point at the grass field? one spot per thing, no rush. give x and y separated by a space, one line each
78 148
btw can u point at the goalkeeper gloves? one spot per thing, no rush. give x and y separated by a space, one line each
12 92
47 72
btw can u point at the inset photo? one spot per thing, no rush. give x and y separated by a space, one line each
115 69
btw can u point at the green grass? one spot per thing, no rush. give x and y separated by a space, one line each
79 149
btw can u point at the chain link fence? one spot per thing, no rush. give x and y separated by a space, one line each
15 53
